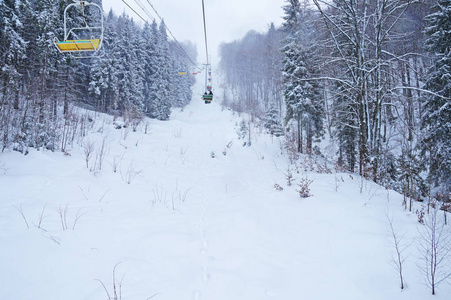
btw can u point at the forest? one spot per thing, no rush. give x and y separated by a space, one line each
322 167
41 89
372 78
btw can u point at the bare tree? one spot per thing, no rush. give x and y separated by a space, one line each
117 160
360 34
101 153
88 148
399 247
251 68
131 173
435 249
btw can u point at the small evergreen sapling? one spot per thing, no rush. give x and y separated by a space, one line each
304 187
288 176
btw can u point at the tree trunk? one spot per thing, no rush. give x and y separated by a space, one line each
299 133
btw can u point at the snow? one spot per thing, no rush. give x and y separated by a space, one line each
189 226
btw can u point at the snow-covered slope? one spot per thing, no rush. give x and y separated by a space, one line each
180 224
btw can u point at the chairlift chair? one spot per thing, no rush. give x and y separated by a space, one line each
80 47
207 98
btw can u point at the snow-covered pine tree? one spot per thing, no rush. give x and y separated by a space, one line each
436 118
273 77
137 81
150 38
302 97
345 124
128 70
188 80
272 121
103 80
181 83
291 51
166 74
181 92
242 130
44 62
160 77
13 48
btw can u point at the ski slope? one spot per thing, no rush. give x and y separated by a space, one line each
180 224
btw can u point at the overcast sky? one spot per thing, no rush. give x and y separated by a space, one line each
227 20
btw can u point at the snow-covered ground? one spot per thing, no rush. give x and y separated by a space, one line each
180 224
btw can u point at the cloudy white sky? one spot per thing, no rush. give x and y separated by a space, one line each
227 20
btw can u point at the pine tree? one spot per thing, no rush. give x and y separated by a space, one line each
244 132
161 84
128 71
167 73
150 37
302 97
272 121
135 74
345 122
101 70
12 49
181 84
44 62
436 118
273 77
13 46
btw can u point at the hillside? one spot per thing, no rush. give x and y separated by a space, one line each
181 223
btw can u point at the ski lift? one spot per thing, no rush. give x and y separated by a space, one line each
92 35
207 97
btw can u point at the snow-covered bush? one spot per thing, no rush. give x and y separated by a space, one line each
277 187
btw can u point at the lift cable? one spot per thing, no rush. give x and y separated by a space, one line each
207 97
151 5
205 31
153 19
173 37
145 21
144 9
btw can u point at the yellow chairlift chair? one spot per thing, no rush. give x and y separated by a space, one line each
81 48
